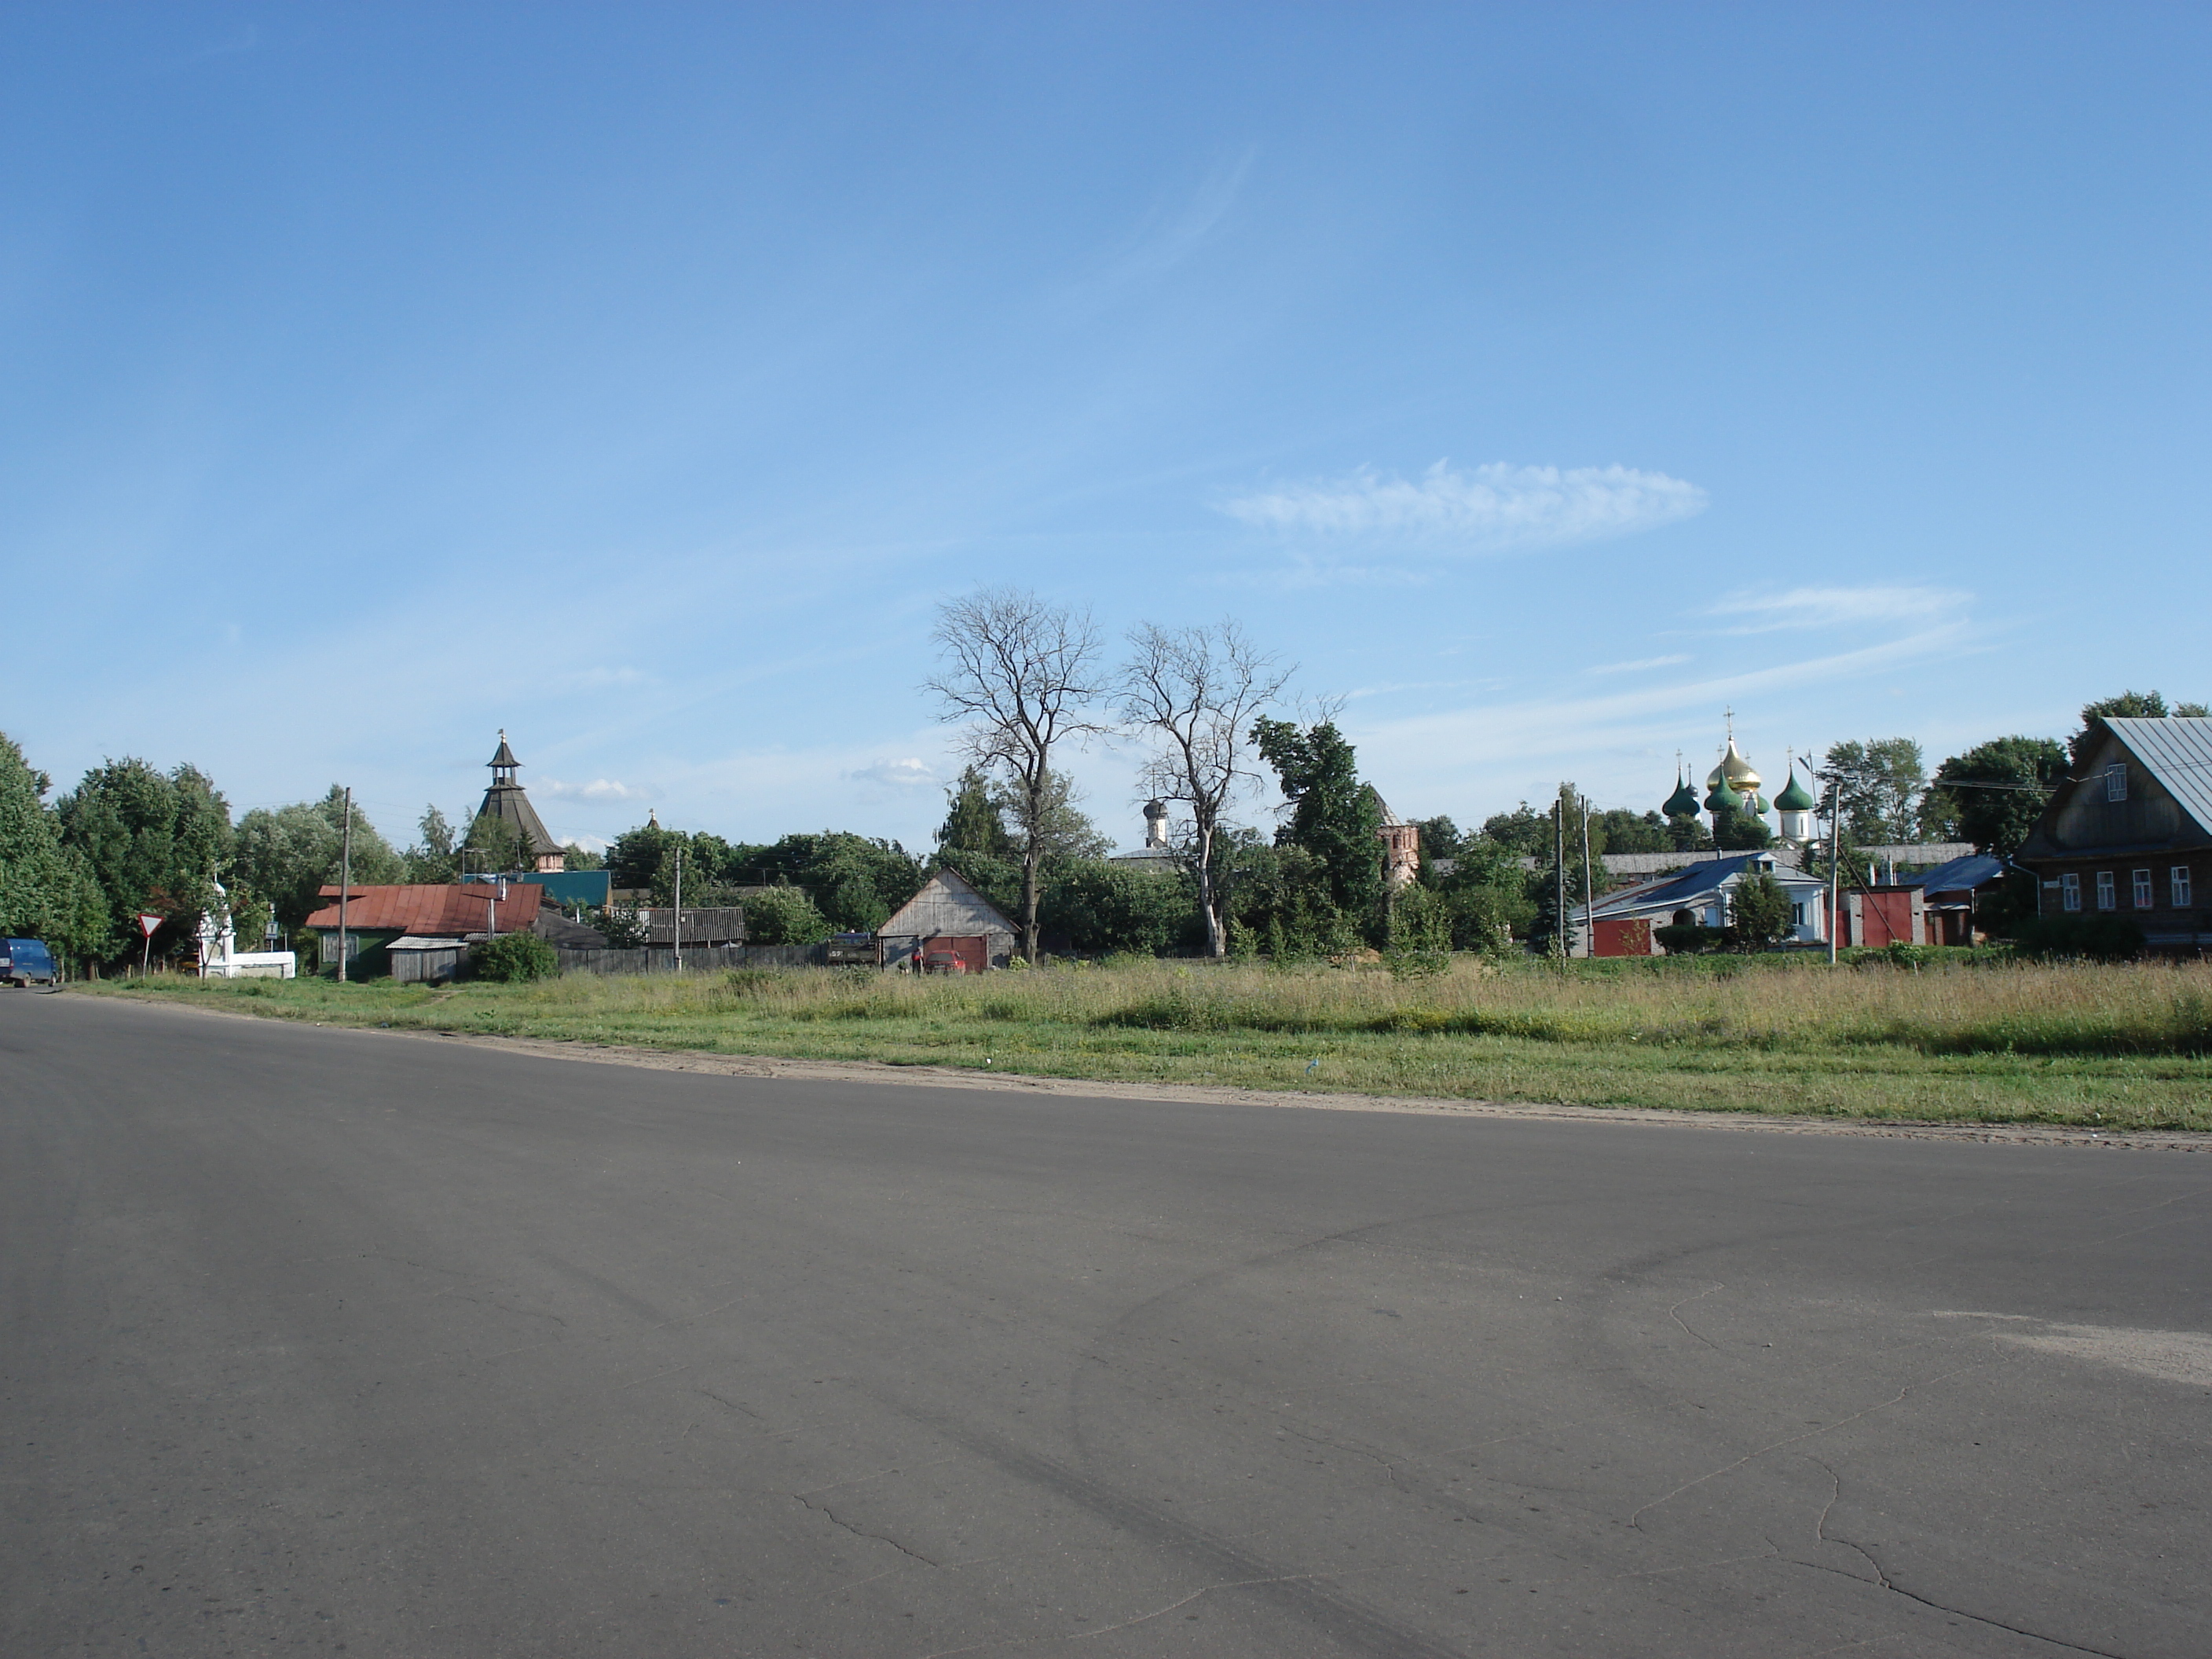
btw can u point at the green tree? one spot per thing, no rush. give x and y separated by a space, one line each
47 891
1881 780
1100 908
783 916
1686 833
1740 832
634 857
972 823
1420 942
2129 705
1439 844
1060 831
432 861
1525 830
1487 892
156 843
1617 830
1758 910
1992 794
579 857
495 846
1335 819
286 855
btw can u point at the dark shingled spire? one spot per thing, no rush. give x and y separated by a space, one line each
506 801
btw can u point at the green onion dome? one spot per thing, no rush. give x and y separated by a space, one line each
1759 805
1721 798
1794 798
1683 803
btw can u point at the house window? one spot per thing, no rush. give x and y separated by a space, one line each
2108 891
2115 780
2070 890
2143 899
2179 876
1797 914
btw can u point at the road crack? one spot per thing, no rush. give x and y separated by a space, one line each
1685 1302
1883 1580
1636 1519
837 1520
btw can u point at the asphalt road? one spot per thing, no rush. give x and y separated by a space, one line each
348 1341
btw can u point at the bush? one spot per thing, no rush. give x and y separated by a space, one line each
1420 935
1759 911
784 915
1686 939
623 929
512 958
2096 939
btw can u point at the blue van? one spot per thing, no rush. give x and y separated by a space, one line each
25 961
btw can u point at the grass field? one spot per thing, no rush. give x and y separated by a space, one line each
2125 1046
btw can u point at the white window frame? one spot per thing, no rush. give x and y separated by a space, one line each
2179 884
2146 895
2070 890
2108 891
2115 780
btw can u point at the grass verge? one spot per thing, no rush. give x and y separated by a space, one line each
2110 1046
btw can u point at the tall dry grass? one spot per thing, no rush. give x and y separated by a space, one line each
2025 1008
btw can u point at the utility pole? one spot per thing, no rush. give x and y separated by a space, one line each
345 882
1590 889
1559 877
675 931
1835 861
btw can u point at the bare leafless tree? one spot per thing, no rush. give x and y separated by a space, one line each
1194 691
1022 677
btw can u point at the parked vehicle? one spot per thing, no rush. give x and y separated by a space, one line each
851 950
25 962
943 962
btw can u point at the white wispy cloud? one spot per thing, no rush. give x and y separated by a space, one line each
589 843
908 774
596 789
1174 229
1640 664
1829 607
599 677
1494 508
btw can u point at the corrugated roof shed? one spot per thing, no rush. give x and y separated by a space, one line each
946 904
1958 876
433 910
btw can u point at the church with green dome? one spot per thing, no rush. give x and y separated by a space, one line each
1733 800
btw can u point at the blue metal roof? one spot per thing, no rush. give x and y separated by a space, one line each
1957 876
1697 883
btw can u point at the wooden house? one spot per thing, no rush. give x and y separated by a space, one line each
377 917
2130 835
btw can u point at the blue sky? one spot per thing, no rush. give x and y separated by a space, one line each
1542 380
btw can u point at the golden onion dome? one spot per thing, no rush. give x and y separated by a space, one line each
1743 777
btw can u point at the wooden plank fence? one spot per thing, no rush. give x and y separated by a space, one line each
706 958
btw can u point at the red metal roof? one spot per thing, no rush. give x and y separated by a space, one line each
446 911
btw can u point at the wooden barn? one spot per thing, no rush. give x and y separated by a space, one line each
947 907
